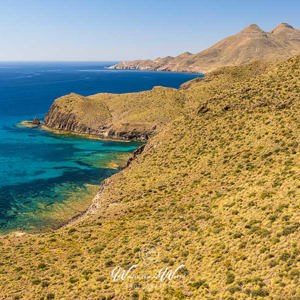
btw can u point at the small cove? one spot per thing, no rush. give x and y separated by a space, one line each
45 178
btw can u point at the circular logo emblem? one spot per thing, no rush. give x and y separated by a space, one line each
149 253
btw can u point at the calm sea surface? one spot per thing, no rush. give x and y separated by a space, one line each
46 179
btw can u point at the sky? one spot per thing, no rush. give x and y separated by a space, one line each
114 30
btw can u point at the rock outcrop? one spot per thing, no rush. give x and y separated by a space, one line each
251 44
30 124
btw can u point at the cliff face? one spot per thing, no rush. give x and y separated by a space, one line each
249 45
134 116
58 119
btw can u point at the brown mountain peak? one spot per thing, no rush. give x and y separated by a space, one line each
285 25
185 54
253 28
281 27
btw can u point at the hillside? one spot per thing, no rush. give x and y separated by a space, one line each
251 44
217 190
134 116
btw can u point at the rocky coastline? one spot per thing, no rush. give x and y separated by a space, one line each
96 202
100 122
60 122
122 117
66 122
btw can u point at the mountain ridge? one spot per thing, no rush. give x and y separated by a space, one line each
250 44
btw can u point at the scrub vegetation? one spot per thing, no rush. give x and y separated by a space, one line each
216 189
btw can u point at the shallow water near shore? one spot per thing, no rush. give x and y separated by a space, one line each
45 178
45 169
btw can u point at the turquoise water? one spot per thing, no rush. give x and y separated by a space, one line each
45 178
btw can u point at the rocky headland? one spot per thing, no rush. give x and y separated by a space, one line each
134 116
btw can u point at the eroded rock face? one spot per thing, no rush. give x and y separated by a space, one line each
58 120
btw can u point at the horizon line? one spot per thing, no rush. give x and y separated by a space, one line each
56 61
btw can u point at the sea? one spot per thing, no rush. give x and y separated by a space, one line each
47 179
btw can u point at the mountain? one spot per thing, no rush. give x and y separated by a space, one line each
251 44
215 191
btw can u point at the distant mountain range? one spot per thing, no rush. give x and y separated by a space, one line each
251 44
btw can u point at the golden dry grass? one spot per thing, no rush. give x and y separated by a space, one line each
217 189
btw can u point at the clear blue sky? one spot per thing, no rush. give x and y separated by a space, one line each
127 29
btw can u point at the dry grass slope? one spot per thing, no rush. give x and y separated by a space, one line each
217 189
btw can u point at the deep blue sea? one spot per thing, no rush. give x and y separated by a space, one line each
45 178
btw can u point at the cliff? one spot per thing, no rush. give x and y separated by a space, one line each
251 44
133 116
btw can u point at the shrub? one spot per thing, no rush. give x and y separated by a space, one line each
230 277
72 230
259 293
35 281
199 283
234 289
73 280
109 263
42 266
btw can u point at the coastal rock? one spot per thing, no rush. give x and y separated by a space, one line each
36 121
30 124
